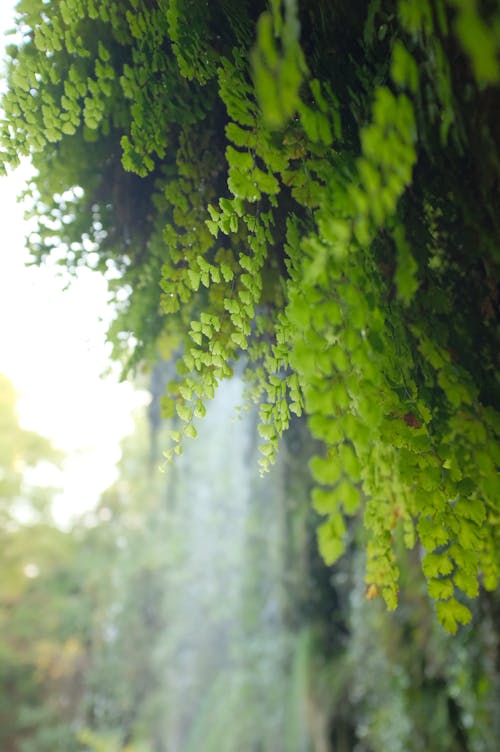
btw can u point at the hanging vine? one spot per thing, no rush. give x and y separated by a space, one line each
313 186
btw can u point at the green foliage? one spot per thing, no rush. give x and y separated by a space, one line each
32 662
103 649
278 64
308 185
415 686
19 450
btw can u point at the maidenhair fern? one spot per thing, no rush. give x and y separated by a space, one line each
310 186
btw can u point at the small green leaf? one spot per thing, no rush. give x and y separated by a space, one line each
324 502
190 431
349 495
324 470
468 583
184 412
390 596
213 227
194 279
199 409
406 271
226 272
451 613
436 564
440 589
239 339
167 405
266 430
331 545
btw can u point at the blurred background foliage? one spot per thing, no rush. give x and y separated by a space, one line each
191 611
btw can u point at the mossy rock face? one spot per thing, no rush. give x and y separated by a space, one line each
314 187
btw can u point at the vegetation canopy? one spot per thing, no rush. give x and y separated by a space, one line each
312 184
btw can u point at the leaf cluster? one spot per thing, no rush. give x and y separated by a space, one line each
312 186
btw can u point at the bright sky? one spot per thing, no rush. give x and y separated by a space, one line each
52 347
